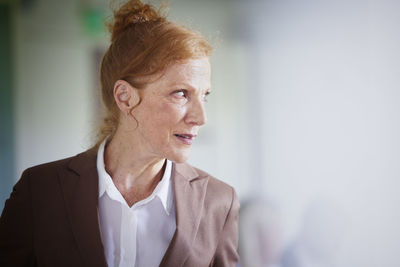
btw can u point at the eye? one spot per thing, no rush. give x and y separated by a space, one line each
182 93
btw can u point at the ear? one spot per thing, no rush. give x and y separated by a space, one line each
126 96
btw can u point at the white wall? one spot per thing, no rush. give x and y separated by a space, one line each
54 86
331 117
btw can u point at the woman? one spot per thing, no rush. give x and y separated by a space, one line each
131 200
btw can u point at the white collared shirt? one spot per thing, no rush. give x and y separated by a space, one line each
138 235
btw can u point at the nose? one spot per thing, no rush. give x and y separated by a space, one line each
196 113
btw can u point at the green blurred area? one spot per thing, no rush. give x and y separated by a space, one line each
93 21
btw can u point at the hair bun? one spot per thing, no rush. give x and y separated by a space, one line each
131 13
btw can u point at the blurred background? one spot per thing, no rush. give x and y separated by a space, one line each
304 118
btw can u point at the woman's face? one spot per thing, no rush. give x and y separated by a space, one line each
172 110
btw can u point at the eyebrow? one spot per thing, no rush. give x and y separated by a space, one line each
187 86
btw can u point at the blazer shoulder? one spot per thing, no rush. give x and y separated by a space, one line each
217 189
52 168
49 167
213 181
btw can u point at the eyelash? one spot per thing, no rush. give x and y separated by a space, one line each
206 95
185 92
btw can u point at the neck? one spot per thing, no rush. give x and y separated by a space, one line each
134 173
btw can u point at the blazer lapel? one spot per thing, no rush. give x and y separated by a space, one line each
80 188
189 192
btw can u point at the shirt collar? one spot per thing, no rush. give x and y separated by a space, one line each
101 169
163 189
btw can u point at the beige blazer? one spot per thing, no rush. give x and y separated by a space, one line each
51 218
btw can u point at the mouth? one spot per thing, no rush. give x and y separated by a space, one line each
187 139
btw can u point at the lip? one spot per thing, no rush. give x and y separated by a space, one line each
187 139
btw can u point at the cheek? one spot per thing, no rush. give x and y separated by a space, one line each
171 114
166 117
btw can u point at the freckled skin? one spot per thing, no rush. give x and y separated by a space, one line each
161 127
166 110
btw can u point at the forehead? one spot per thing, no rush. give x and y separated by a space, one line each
194 72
